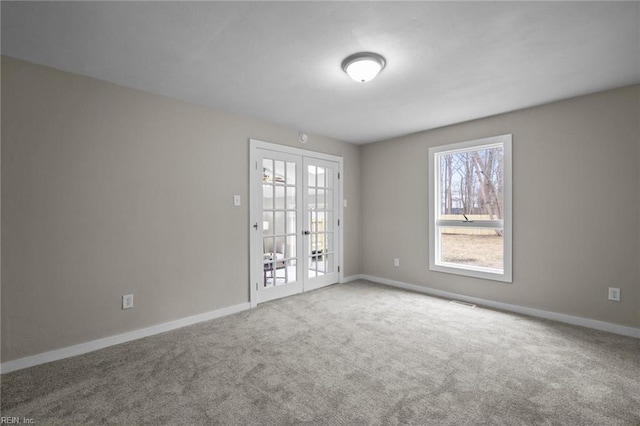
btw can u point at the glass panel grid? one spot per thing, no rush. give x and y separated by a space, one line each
279 222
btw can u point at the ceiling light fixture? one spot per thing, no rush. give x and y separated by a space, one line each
363 66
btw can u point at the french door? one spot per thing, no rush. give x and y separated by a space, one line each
295 221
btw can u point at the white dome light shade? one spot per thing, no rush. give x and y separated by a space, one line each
363 66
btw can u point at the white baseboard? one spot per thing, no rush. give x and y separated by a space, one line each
351 278
569 319
94 345
83 348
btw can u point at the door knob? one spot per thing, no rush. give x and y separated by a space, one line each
306 232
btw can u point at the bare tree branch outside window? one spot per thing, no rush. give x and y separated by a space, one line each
473 184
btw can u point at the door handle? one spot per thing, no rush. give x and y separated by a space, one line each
306 232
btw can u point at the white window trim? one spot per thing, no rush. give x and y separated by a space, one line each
507 223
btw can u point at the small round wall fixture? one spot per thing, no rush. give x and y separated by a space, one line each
302 137
363 66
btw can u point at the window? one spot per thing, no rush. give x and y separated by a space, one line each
470 214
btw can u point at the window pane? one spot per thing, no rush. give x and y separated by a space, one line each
472 183
472 247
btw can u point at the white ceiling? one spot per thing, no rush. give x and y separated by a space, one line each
280 61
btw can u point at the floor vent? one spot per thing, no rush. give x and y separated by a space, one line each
461 303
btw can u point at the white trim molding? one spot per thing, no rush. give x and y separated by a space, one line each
351 278
568 319
94 345
437 223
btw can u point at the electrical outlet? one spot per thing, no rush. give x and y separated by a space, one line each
614 294
127 301
396 262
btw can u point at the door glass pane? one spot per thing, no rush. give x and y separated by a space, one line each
274 262
313 267
311 203
311 171
320 177
291 197
320 203
313 222
291 223
267 223
280 247
320 221
279 223
279 200
291 173
328 220
291 270
267 197
291 246
279 175
329 260
267 170
328 242
328 198
329 179
267 244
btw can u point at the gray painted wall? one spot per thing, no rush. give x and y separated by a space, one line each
108 191
576 207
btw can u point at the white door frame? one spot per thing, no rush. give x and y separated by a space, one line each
255 208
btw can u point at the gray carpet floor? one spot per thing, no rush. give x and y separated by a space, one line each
352 354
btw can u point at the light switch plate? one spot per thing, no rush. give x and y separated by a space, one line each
236 200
